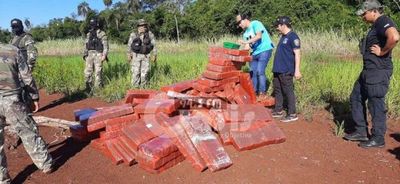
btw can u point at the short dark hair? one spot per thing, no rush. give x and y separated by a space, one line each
244 15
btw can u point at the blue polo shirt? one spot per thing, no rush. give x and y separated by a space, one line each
262 44
284 61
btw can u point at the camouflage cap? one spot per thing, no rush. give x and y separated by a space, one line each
141 22
368 5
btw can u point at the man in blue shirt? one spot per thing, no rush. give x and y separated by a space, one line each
286 65
373 83
256 37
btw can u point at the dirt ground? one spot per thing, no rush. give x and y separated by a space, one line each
311 154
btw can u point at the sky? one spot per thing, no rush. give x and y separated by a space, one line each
39 12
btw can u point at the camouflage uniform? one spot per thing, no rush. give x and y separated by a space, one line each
13 68
93 59
26 43
140 63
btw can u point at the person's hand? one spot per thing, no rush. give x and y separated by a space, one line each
103 57
36 106
375 49
297 75
129 56
241 42
153 58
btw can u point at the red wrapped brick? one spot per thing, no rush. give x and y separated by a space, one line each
97 144
225 136
208 146
110 135
224 131
158 147
138 94
123 140
164 167
241 96
161 96
114 154
178 135
233 52
153 106
154 162
220 60
202 88
116 124
178 87
246 112
247 84
138 133
111 112
217 68
123 119
127 156
96 126
215 83
219 76
270 133
241 58
210 118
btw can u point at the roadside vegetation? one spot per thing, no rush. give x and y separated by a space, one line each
329 67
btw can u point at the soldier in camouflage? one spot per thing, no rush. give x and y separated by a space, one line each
141 49
15 69
25 43
96 50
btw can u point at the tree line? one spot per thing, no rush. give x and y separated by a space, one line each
206 19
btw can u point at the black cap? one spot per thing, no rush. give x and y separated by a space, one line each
282 20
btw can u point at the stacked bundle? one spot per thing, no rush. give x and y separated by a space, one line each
159 129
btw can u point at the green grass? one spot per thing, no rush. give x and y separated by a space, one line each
339 129
328 72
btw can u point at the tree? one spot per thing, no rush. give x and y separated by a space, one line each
177 7
108 3
83 9
134 5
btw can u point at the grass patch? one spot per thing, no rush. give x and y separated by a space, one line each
329 70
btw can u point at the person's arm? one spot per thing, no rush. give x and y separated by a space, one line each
30 85
154 51
104 41
392 38
297 73
85 51
31 50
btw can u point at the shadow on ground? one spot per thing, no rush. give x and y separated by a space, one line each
395 151
64 151
341 113
74 97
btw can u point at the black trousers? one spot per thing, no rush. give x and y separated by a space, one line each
284 87
371 86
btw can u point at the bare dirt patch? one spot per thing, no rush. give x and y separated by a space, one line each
311 154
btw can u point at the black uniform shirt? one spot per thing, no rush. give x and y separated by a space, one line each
376 35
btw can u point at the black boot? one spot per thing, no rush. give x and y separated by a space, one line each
374 142
356 136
